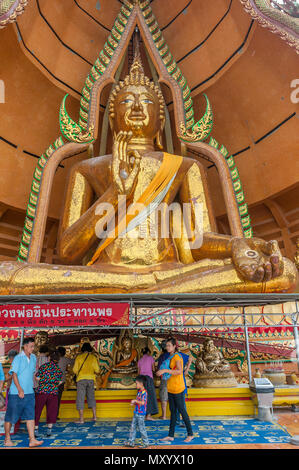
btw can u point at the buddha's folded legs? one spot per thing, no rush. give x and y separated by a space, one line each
205 276
225 279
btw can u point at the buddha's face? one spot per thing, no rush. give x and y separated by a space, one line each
210 346
137 110
127 343
41 338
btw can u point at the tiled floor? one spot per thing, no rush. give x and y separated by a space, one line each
286 418
290 420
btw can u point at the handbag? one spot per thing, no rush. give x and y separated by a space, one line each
75 376
166 365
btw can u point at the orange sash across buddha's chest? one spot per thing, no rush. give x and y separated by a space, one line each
166 173
125 362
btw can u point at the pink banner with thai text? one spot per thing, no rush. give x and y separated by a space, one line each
64 314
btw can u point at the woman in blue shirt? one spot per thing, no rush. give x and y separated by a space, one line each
2 378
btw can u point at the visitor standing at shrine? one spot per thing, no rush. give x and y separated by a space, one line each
49 377
146 367
174 370
2 378
163 394
63 363
42 358
187 361
11 355
140 410
86 367
21 399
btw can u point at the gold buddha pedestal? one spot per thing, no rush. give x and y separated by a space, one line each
212 370
122 380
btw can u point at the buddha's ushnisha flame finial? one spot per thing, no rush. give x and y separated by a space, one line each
136 67
137 77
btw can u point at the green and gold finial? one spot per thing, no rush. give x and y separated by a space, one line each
71 130
201 129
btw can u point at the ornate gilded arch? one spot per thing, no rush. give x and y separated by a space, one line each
286 26
79 135
9 11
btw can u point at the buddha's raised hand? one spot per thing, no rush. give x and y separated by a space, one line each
257 260
125 164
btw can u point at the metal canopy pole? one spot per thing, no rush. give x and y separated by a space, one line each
247 346
22 339
296 336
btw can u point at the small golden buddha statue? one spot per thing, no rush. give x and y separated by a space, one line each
123 370
40 339
125 354
69 374
102 251
212 370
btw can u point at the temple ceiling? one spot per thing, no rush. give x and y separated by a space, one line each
222 50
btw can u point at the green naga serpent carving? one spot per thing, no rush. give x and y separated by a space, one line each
33 198
71 130
9 11
83 131
278 22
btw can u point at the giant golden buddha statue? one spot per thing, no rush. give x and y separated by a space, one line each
138 177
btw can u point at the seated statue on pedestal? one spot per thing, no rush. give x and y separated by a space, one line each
41 339
123 371
97 259
212 370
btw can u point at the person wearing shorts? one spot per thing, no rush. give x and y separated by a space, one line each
21 399
163 393
2 378
85 367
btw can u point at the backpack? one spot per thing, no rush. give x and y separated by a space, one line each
166 365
